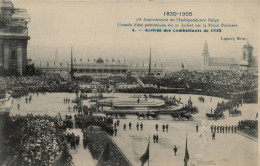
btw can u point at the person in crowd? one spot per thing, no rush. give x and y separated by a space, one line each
163 127
115 131
130 125
141 126
167 126
137 126
175 150
213 135
157 138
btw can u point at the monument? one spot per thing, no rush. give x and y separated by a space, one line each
13 38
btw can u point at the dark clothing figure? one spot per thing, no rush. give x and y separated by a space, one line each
163 127
18 106
226 128
130 125
117 122
141 126
115 131
137 126
175 150
156 127
124 126
154 138
115 125
167 126
197 128
232 128
211 128
213 136
157 138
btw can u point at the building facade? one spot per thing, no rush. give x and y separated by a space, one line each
100 67
13 38
247 60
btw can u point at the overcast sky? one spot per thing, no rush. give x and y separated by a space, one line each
91 27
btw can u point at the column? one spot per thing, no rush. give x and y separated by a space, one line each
19 56
6 56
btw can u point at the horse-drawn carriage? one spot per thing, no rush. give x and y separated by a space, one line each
216 115
154 115
181 116
235 112
116 115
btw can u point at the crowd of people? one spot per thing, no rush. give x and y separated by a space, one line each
216 83
209 82
223 129
249 126
23 85
32 139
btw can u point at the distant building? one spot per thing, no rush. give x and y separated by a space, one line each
13 37
248 61
101 67
219 63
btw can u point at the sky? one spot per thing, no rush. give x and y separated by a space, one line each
92 29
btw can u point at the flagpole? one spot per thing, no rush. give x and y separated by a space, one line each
149 151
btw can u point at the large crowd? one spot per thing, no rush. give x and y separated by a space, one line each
216 81
32 139
207 82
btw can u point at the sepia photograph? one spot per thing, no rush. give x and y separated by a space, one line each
129 83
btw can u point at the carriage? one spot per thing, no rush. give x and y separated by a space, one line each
215 116
154 115
181 116
116 115
235 112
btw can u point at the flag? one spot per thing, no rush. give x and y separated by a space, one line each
182 65
186 157
145 156
104 156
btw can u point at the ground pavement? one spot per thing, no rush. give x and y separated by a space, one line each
81 156
227 149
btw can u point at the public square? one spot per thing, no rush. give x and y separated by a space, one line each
227 149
